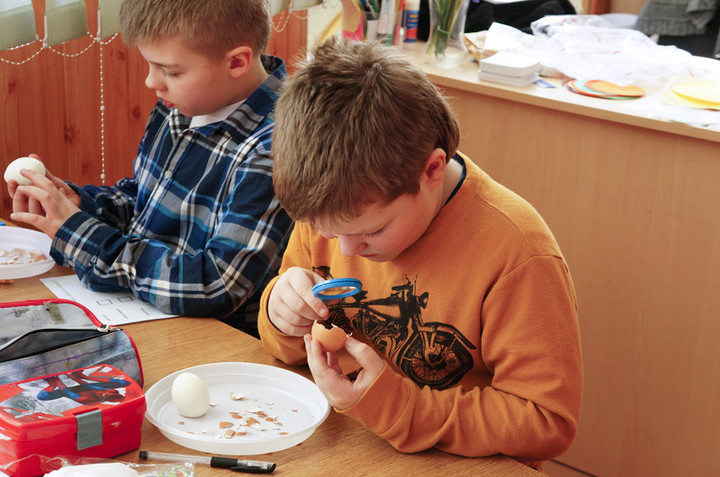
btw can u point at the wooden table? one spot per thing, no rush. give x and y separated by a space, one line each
340 446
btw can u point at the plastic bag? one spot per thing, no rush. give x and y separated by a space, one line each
547 26
504 37
63 466
581 50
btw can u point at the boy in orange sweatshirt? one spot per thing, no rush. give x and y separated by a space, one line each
465 333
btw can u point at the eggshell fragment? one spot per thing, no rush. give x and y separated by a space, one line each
190 395
12 172
332 339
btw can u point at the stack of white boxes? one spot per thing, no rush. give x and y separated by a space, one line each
509 68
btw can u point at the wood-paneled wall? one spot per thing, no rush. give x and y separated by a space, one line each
50 104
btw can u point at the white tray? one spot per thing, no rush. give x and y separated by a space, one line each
18 237
294 401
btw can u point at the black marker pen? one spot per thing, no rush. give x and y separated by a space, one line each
249 466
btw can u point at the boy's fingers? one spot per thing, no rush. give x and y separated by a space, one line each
12 187
24 217
38 180
32 192
36 207
365 356
318 307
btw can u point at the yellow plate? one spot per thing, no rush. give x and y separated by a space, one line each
700 89
674 99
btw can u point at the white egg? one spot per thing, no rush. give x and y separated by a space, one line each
12 172
190 395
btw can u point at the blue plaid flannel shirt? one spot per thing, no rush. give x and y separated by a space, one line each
197 230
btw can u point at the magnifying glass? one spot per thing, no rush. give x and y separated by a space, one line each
337 288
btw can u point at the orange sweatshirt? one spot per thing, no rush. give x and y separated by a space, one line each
477 321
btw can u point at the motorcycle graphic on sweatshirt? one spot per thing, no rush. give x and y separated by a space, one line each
432 354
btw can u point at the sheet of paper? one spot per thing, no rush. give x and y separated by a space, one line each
116 308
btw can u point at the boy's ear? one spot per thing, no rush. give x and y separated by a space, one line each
240 59
435 167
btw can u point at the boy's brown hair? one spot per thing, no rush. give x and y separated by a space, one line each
355 125
210 27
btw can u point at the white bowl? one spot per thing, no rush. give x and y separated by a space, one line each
18 237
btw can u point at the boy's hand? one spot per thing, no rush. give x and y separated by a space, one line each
59 183
65 189
46 203
292 307
340 391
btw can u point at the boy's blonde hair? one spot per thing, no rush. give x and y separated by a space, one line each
355 125
210 27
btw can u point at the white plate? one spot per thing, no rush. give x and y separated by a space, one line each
18 237
295 403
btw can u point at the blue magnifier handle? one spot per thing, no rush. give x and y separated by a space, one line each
337 288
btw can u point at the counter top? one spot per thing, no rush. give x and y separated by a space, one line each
465 78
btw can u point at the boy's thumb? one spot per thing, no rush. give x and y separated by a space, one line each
365 356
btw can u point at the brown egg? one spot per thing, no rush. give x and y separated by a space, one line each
332 339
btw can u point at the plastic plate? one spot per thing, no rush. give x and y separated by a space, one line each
287 406
18 237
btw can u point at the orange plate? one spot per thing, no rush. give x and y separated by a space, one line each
611 88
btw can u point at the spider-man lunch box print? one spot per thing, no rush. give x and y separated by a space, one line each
90 412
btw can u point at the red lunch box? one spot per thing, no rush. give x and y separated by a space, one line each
89 412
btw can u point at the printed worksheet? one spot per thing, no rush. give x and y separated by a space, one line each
115 308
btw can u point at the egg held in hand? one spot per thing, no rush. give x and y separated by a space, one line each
332 339
190 395
12 172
